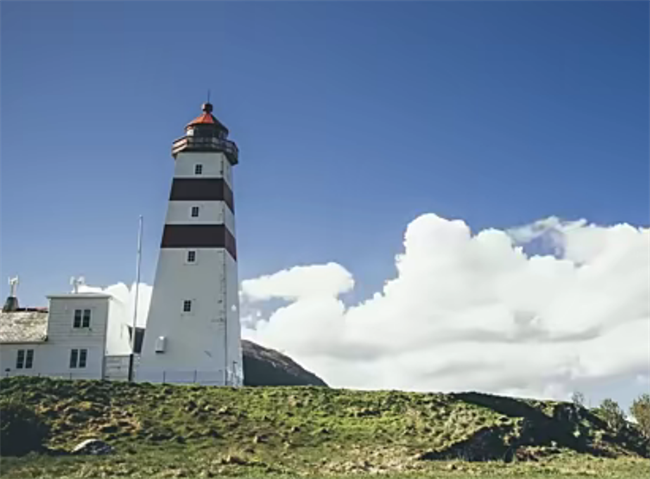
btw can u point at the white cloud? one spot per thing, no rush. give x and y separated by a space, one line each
475 312
300 282
121 313
467 312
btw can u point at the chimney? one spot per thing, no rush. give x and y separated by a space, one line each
11 304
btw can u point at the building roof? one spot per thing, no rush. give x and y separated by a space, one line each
79 295
23 326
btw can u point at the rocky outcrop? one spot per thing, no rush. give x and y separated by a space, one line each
267 367
93 447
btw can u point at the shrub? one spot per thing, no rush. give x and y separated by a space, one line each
612 413
21 430
640 410
578 399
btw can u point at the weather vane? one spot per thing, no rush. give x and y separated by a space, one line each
76 282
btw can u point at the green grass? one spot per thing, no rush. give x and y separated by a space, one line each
192 431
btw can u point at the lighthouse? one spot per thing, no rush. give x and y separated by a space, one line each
193 333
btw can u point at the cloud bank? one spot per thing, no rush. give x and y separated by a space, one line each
467 311
472 312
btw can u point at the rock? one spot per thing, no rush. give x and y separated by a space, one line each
233 459
267 367
94 447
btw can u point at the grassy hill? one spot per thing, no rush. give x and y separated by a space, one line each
193 431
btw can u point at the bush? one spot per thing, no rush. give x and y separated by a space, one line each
612 413
578 399
21 430
640 410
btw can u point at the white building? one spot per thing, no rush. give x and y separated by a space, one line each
68 339
193 330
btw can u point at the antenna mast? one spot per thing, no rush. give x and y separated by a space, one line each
135 300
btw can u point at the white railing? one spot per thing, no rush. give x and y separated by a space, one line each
54 375
206 378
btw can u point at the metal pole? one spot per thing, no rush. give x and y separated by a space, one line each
135 300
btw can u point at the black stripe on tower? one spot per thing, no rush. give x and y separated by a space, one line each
199 236
202 189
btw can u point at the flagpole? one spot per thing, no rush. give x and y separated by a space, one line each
135 300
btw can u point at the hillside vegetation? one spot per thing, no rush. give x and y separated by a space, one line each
194 431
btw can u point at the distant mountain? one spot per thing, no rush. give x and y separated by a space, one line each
267 367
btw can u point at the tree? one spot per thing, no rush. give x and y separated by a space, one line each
612 413
578 399
21 429
640 411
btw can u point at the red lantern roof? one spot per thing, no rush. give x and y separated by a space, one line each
206 118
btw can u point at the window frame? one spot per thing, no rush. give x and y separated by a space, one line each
193 254
187 306
29 359
85 318
74 358
20 359
195 208
81 318
76 318
83 359
198 169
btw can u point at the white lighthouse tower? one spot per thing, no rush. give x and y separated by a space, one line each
193 331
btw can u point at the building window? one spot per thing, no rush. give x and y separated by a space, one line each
195 212
78 358
187 306
191 256
25 359
74 357
198 169
81 318
20 359
83 355
86 319
29 360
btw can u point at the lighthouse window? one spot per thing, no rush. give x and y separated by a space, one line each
187 306
191 256
195 212
198 169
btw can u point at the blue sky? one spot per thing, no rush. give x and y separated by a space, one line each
352 119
